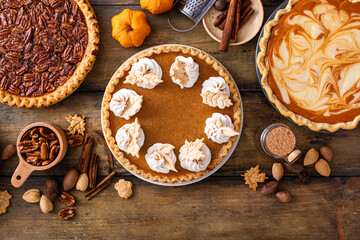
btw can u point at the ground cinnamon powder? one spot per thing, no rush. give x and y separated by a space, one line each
281 141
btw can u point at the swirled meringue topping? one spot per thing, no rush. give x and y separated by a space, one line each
161 157
216 93
195 156
184 71
125 103
313 58
219 128
130 138
145 73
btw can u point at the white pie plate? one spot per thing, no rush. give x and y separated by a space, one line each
219 165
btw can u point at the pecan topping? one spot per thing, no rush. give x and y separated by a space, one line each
41 44
67 199
66 213
75 140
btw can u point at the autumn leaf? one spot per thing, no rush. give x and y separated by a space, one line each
216 100
253 176
193 150
134 131
147 78
133 104
4 201
77 124
164 152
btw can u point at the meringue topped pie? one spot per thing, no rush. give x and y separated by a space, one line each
154 116
310 61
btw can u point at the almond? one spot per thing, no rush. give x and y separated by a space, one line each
277 171
46 205
311 157
327 152
82 183
322 167
32 196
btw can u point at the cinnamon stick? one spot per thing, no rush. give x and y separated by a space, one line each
222 25
245 4
85 154
94 162
104 183
245 12
237 21
226 35
219 19
246 18
100 137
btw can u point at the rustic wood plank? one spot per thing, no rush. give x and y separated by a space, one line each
216 208
131 3
257 112
240 60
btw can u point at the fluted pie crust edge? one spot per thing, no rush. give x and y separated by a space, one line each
298 119
75 80
235 97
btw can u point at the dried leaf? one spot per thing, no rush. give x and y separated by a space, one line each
147 78
253 176
216 100
179 73
193 150
225 130
77 124
124 188
165 151
4 201
132 106
134 132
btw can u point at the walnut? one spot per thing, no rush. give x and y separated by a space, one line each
124 188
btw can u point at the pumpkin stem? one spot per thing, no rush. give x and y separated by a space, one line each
128 29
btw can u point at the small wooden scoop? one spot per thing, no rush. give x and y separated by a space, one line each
24 169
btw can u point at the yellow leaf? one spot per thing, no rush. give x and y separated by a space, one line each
77 124
253 176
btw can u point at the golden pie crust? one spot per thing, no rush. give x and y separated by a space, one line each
113 86
75 80
298 119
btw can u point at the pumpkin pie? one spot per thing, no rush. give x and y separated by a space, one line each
156 120
46 49
310 60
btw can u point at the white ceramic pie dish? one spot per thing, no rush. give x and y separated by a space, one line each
218 166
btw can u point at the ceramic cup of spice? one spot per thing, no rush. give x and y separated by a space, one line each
39 146
279 141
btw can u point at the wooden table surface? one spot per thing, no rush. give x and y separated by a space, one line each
220 207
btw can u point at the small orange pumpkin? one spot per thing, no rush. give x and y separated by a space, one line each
130 28
157 6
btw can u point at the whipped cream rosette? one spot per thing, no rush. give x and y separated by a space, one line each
130 138
184 71
125 103
219 128
216 93
161 157
194 156
145 73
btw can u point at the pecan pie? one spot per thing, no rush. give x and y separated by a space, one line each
310 60
46 49
171 135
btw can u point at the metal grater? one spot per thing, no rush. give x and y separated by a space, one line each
193 9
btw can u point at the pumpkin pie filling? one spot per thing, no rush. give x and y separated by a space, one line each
313 59
172 115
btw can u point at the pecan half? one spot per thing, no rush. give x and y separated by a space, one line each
34 133
32 159
53 143
66 213
75 140
44 151
28 146
67 199
54 152
47 133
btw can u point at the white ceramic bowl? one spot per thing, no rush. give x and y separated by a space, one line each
246 32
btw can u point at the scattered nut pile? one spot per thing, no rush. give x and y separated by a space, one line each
312 157
39 146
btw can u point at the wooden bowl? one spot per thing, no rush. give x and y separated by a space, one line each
246 32
24 169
